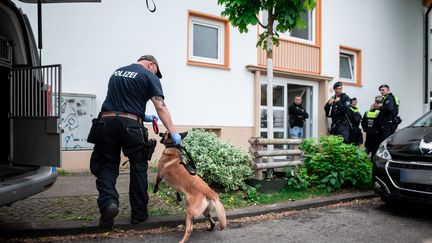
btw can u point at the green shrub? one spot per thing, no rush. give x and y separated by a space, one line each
220 164
332 164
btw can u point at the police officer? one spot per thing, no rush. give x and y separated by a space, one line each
297 116
337 107
389 109
371 124
120 126
356 135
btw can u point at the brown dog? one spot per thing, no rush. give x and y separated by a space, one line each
200 198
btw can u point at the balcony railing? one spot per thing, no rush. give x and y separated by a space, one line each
293 56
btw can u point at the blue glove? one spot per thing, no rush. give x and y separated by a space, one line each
176 138
149 118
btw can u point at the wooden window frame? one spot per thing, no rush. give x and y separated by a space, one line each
226 47
357 81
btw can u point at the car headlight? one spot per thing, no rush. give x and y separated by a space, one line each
382 151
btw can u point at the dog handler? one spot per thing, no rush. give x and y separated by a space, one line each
120 126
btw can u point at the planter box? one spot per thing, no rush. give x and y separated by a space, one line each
269 185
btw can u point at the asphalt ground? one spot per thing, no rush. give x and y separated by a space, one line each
69 207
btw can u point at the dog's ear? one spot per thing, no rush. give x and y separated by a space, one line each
183 134
161 134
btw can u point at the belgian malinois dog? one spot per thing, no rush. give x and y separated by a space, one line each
200 198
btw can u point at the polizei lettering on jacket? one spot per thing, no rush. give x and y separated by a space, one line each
125 74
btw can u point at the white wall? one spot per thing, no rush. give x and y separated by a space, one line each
91 40
389 33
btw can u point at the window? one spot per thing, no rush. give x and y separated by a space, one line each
350 65
208 40
346 63
306 33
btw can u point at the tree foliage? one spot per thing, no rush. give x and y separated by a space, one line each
285 13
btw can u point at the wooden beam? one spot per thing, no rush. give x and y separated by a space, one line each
265 141
277 164
277 153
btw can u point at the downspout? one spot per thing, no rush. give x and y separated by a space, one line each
426 63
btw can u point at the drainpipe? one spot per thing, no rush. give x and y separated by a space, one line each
426 37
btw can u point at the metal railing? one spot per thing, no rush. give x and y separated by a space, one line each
34 91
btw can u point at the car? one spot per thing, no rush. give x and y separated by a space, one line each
402 166
33 93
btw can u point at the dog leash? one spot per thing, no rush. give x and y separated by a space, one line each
190 166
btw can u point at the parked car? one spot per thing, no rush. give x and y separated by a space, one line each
33 93
402 169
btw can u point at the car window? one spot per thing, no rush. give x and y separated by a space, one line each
425 121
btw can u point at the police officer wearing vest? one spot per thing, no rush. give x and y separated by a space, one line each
297 116
337 107
120 127
371 124
389 109
356 135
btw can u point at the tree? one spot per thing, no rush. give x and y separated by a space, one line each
282 16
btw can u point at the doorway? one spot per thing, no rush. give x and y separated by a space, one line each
306 93
283 96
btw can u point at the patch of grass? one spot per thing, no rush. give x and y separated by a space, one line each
239 199
62 172
159 212
59 201
78 218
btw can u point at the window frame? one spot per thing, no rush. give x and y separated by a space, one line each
222 25
351 62
287 35
356 71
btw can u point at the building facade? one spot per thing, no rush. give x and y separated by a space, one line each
214 77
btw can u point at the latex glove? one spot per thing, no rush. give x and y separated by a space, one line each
176 138
149 118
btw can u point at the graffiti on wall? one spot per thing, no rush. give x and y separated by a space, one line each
77 111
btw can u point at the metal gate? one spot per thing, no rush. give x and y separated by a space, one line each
34 115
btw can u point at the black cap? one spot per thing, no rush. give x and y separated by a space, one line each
383 85
152 59
337 84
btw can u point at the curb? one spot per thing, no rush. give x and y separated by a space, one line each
72 228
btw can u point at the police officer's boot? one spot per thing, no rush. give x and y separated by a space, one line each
106 220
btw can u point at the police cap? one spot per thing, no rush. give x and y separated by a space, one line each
383 86
152 59
337 84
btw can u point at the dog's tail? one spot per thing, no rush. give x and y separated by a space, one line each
220 212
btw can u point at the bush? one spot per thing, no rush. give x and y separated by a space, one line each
332 164
219 164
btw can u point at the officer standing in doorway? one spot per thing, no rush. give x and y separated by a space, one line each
337 107
389 109
356 135
120 127
371 124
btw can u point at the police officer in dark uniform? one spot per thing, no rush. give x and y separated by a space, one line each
371 124
120 126
356 135
389 109
337 107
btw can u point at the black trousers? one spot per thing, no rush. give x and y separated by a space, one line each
356 136
112 135
373 140
388 129
342 129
